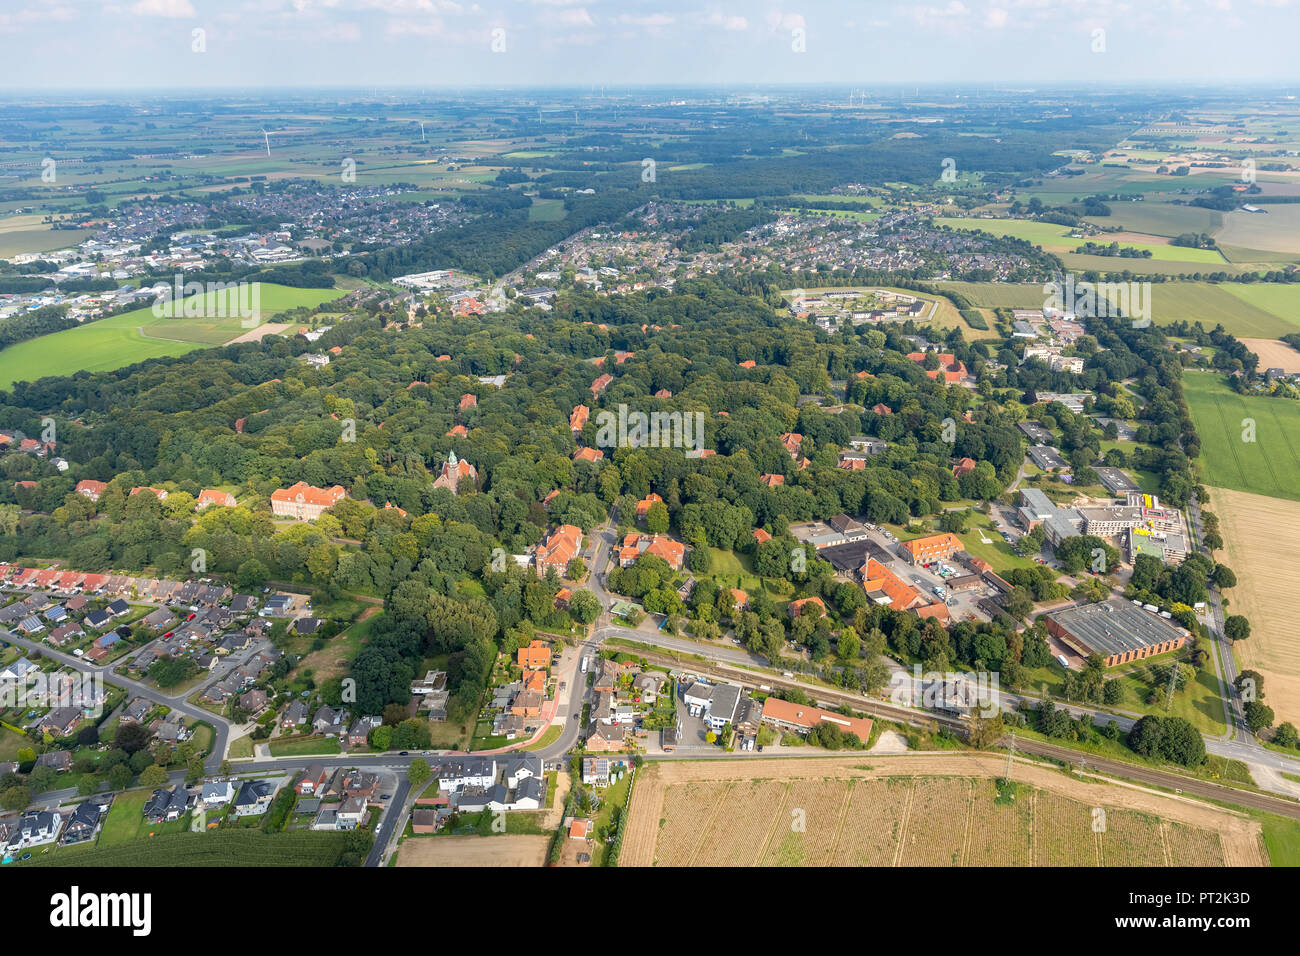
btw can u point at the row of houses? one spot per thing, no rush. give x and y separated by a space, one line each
40 827
93 490
722 705
64 583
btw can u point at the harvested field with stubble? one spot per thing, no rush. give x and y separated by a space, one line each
917 810
1274 354
504 850
1261 535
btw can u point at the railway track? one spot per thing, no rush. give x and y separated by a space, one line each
832 698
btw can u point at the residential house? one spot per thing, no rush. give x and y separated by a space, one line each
217 794
84 822
359 733
208 496
606 737
58 760
167 805
312 781
34 828
536 656
90 488
253 701
658 545
254 797
295 717
330 721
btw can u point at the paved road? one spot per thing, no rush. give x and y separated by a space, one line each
393 812
177 702
1232 714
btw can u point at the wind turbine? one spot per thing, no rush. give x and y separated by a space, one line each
422 139
268 140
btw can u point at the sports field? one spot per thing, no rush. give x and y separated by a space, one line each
1226 422
138 335
1261 538
916 810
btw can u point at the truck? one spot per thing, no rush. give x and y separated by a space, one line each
1064 661
584 666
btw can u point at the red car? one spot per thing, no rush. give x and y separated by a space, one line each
192 617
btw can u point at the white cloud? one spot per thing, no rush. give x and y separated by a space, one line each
174 9
779 22
653 20
576 18
343 32
727 22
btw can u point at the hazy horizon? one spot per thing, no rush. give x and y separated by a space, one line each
102 45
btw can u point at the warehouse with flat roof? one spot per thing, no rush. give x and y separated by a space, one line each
1115 480
1116 630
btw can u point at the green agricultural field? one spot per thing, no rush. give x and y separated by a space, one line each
1270 465
831 197
1055 238
1281 300
139 335
546 210
1000 295
1277 229
1160 218
17 241
1247 310
226 847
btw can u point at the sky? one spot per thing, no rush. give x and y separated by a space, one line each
435 44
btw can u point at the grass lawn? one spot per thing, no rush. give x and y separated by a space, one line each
1281 838
311 746
203 735
1270 465
139 334
998 553
448 736
1000 295
241 747
1198 702
546 210
551 735
10 744
125 822
615 795
728 567
339 651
